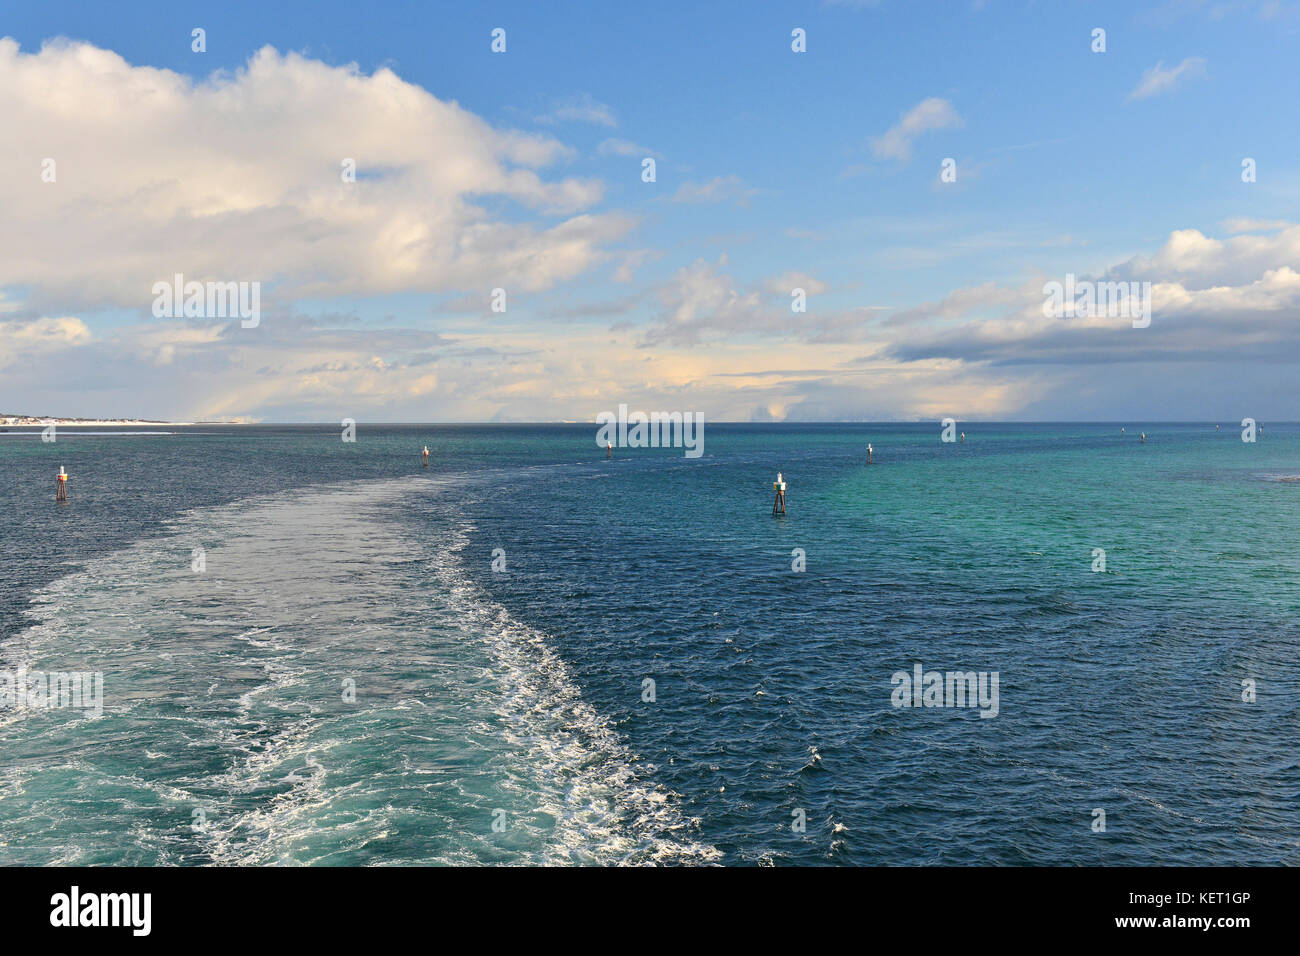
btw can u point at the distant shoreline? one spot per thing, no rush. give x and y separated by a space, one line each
26 422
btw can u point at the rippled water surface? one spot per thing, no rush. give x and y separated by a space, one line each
348 681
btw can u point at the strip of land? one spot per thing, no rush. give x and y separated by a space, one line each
17 421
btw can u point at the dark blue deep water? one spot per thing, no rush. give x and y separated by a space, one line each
307 656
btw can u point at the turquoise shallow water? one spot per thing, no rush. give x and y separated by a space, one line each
518 697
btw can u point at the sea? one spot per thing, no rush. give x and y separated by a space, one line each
316 651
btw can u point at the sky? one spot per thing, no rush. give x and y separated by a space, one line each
128 157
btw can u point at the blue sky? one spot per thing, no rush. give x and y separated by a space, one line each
774 169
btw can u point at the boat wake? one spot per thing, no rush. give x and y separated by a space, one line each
325 686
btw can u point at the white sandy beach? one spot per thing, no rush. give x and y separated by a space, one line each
28 422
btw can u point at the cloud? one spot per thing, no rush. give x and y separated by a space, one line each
579 109
1247 224
701 298
1223 301
238 177
26 339
623 147
784 283
718 189
1198 261
930 114
958 303
208 369
1222 334
1158 79
632 260
701 303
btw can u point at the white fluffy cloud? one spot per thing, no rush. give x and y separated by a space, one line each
238 177
1199 261
23 340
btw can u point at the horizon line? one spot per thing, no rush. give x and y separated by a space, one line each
71 422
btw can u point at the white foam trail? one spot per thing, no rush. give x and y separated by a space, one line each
297 591
604 811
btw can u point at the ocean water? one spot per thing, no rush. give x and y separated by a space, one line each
347 681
